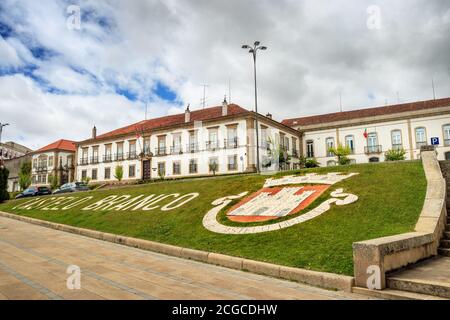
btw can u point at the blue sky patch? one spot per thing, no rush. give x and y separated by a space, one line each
164 92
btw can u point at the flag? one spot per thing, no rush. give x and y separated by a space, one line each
365 133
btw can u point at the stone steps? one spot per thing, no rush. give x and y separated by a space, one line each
444 252
445 244
428 288
391 294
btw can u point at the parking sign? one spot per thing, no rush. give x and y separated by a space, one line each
435 141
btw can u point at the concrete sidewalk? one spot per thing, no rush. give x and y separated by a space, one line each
34 261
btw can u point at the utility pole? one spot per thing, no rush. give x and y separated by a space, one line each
203 101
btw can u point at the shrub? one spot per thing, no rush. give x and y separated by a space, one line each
311 163
54 181
118 173
395 155
341 152
213 167
4 194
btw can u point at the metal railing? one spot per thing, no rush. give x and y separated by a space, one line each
132 155
231 143
107 158
161 151
192 147
373 149
212 145
94 160
84 161
176 150
398 146
119 157
420 144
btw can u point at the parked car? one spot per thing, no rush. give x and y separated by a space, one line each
34 191
72 187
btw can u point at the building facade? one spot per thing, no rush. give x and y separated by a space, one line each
216 140
54 160
10 150
369 133
13 165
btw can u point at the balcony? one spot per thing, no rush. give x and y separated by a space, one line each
373 149
212 145
94 160
119 157
231 143
161 151
192 147
132 155
107 158
420 144
176 150
84 161
41 168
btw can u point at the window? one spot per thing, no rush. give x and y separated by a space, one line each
94 174
131 171
294 147
119 156
232 140
83 174
147 146
107 173
232 162
176 143
161 146
132 150
396 137
372 143
446 129
107 156
350 143
329 145
264 138
94 155
176 167
286 143
421 137
282 141
193 144
213 138
84 155
193 166
310 149
374 159
50 161
213 164
161 169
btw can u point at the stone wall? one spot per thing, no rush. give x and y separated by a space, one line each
394 252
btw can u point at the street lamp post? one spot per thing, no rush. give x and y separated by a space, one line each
253 50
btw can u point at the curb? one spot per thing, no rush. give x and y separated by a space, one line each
314 278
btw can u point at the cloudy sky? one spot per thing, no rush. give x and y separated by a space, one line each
58 78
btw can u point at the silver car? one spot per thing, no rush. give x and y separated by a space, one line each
72 187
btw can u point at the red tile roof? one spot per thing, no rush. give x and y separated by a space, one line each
65 145
370 112
177 119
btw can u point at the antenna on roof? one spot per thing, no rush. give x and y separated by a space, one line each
203 101
432 85
229 90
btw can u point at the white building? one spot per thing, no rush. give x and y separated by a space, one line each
185 145
55 159
371 132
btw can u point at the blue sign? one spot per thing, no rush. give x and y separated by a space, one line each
435 141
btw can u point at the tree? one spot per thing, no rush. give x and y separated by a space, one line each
395 155
213 167
25 175
54 181
4 173
277 153
118 173
341 152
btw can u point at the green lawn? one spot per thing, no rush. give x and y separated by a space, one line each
391 196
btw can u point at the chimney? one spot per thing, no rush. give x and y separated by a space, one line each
224 107
94 132
269 115
187 114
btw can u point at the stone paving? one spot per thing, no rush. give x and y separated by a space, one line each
34 261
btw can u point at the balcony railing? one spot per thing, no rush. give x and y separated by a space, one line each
41 168
161 151
84 161
373 149
397 146
231 143
94 160
119 157
212 145
107 158
420 144
176 150
192 147
447 142
132 155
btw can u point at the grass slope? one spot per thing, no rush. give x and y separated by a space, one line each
391 196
